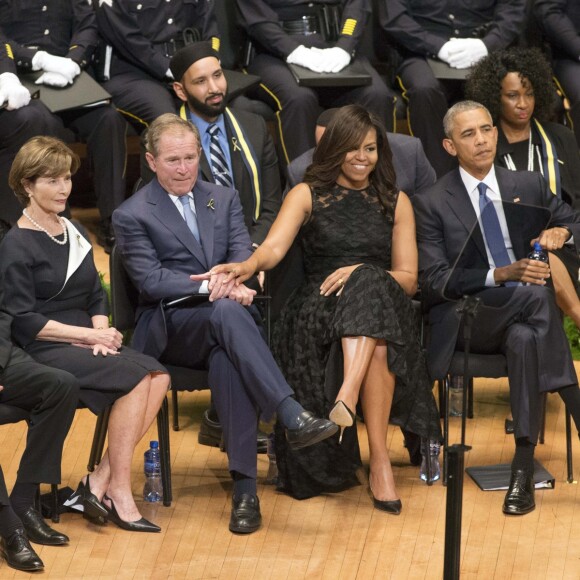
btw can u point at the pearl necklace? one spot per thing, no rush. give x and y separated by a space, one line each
39 227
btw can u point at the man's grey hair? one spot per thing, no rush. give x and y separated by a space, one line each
458 108
169 122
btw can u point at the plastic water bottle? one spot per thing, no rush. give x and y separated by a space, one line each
431 448
153 488
456 396
538 253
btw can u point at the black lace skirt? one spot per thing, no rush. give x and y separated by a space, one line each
306 345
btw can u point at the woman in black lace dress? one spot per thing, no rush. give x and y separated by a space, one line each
349 332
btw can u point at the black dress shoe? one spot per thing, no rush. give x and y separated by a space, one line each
211 434
509 426
39 532
18 552
519 499
84 500
392 506
141 525
246 517
310 430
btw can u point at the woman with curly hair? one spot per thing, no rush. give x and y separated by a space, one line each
349 331
516 86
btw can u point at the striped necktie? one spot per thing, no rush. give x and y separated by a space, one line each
189 215
219 166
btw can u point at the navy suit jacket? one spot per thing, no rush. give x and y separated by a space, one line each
414 172
446 221
160 252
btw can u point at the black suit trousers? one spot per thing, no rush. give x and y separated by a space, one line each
525 325
223 337
51 396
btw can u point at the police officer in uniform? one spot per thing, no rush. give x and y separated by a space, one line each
58 38
560 21
323 37
143 35
454 31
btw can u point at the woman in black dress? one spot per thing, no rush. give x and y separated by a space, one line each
358 239
60 317
516 86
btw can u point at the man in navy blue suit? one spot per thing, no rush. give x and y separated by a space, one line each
170 234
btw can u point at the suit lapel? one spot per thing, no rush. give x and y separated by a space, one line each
238 166
205 169
460 204
204 202
166 212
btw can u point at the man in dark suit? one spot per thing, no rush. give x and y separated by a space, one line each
414 172
169 247
250 159
474 234
50 397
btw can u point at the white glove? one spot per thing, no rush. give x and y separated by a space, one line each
52 79
12 92
465 52
66 67
305 57
443 54
333 59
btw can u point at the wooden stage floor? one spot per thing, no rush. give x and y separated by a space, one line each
336 536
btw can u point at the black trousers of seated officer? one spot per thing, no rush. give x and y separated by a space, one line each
50 396
525 325
428 100
568 74
299 107
102 128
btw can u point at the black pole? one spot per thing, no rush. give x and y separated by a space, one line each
453 511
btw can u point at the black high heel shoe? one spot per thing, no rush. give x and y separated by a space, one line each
84 500
391 506
141 525
342 416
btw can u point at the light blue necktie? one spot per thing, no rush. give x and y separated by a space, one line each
189 216
492 229
219 165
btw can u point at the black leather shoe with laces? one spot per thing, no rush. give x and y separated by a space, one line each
18 552
38 531
519 499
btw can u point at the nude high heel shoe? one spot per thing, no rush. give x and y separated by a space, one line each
342 416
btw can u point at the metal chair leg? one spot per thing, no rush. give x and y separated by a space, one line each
543 418
175 407
165 453
54 500
445 429
99 439
569 466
